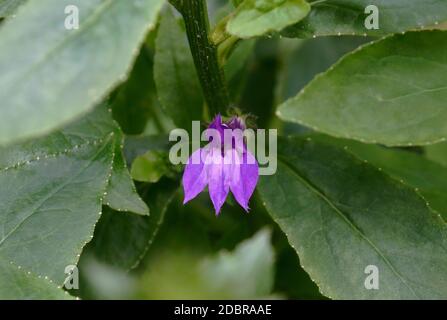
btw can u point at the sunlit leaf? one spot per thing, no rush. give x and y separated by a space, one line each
257 17
69 71
335 17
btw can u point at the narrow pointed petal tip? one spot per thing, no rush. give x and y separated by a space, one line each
218 186
217 124
244 178
194 177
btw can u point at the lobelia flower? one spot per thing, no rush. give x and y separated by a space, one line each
224 165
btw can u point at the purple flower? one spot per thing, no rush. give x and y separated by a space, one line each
223 165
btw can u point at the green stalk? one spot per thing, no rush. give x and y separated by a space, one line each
204 53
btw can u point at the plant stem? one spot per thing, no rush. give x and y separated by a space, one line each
204 53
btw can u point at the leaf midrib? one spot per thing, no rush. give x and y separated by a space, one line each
342 215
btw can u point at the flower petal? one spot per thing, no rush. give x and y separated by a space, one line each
195 176
219 126
244 177
218 185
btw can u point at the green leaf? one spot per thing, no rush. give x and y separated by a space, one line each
290 278
121 194
390 92
428 177
175 75
20 285
236 3
51 194
151 166
238 58
335 17
46 83
258 17
122 240
302 60
136 97
135 146
437 152
258 83
8 7
342 215
251 264
243 273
